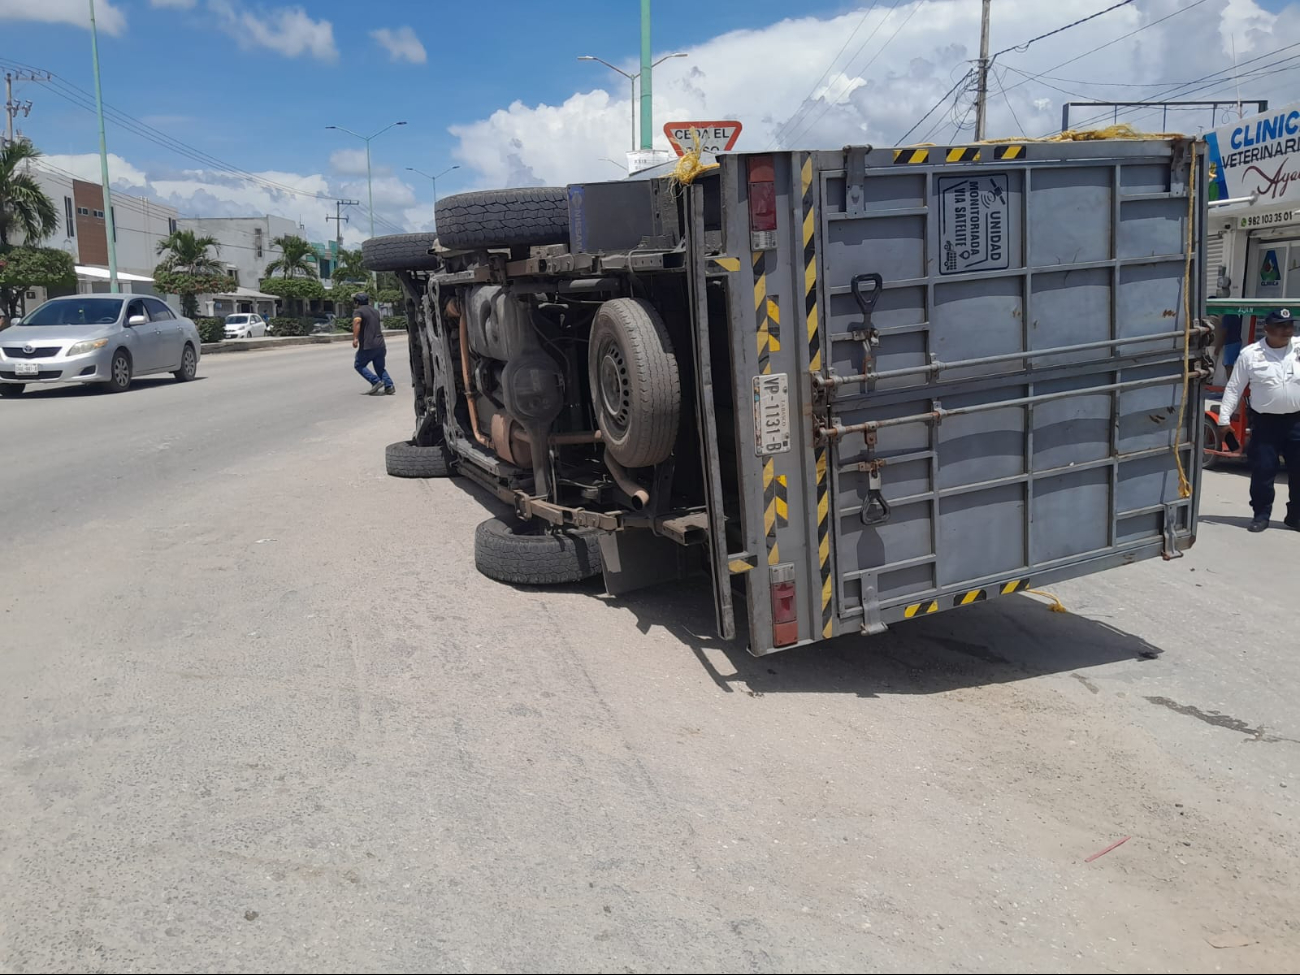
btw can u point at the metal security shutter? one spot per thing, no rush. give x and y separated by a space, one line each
1216 246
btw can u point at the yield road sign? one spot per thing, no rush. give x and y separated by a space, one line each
715 137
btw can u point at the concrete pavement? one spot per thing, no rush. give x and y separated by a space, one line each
259 713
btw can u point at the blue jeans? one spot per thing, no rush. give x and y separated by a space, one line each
376 356
1274 436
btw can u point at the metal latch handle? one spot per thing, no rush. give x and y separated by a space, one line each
867 301
876 510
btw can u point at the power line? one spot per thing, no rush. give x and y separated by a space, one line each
827 72
789 134
1010 108
1121 37
1060 30
934 108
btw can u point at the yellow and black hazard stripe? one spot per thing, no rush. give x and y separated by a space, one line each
903 157
964 154
767 325
966 598
820 453
742 563
1008 152
776 508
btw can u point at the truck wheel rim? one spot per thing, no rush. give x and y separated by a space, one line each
614 388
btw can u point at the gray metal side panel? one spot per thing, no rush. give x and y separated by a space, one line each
1092 245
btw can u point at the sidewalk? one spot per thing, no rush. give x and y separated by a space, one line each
280 342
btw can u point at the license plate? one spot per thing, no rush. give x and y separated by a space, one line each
771 414
26 368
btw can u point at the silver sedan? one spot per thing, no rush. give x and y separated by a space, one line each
108 339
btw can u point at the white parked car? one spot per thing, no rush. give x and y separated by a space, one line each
245 326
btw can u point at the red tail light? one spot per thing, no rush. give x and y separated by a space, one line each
785 608
762 203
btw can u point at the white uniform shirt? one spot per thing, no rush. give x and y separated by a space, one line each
1273 376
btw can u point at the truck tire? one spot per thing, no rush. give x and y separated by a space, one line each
400 252
504 218
521 554
405 459
635 385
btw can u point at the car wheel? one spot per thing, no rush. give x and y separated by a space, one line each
8 390
119 372
189 365
526 553
635 384
406 459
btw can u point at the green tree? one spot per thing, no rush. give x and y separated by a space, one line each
23 268
297 258
25 210
188 269
351 268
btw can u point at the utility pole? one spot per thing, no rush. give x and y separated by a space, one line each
13 108
982 96
339 219
647 109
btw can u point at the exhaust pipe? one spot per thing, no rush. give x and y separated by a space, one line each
639 495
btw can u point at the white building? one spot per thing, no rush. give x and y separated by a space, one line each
83 232
245 249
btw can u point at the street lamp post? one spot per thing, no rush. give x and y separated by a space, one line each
434 180
632 78
370 188
109 227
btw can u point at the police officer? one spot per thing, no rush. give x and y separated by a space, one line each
1271 368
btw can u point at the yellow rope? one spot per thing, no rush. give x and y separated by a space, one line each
1184 485
689 166
1056 607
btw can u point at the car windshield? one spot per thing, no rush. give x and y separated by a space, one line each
236 319
76 311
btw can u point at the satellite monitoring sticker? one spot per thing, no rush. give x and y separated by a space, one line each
973 223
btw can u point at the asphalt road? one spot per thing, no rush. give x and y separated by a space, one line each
259 713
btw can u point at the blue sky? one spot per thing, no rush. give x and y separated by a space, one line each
496 88
262 110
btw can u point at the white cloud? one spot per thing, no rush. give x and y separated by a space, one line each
175 4
348 162
108 18
86 166
401 44
288 30
306 199
786 84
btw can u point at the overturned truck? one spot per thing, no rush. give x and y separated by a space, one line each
855 387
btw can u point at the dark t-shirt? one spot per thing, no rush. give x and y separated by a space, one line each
372 333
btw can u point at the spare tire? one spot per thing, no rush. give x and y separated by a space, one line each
406 459
518 217
635 385
523 553
400 252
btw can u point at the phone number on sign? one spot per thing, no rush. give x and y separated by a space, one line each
1267 219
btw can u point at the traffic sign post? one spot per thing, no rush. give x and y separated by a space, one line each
715 137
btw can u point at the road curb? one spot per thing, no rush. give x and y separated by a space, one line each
272 342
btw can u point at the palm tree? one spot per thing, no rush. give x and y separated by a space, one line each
297 257
188 252
351 267
24 207
188 268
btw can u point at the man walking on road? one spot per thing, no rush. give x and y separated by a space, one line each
368 340
1271 368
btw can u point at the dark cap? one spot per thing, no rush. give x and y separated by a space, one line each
361 298
1280 317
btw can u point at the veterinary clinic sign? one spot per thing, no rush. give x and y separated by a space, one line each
1257 157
